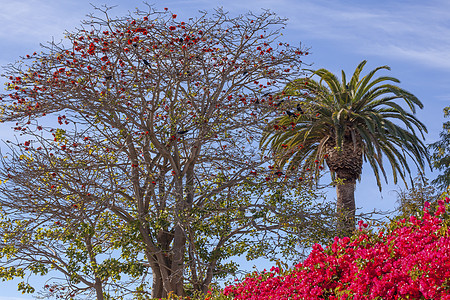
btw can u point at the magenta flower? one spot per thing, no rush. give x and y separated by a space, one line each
411 260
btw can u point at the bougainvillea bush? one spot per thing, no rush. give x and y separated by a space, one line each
407 259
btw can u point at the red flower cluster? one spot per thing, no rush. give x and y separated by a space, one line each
410 261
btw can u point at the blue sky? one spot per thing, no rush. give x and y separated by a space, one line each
412 37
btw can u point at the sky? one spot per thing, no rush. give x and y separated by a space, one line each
412 37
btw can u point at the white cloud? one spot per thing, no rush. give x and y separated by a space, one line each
436 57
417 32
31 20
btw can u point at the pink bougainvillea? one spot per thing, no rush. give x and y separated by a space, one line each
410 260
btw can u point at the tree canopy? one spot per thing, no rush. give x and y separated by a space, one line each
345 122
441 155
145 126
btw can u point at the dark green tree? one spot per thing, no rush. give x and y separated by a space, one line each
345 123
440 156
412 200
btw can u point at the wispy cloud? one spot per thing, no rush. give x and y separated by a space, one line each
437 57
32 20
419 33
408 30
412 31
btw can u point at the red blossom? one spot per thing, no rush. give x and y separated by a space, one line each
409 261
91 49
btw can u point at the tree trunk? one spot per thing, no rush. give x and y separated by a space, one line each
346 162
158 285
98 289
98 286
177 268
345 207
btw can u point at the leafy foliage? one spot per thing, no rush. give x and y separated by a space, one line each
441 155
79 249
412 201
362 110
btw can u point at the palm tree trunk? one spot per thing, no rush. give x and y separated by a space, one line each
345 207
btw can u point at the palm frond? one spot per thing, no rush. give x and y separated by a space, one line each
364 113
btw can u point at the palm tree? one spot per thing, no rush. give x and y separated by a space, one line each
346 123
